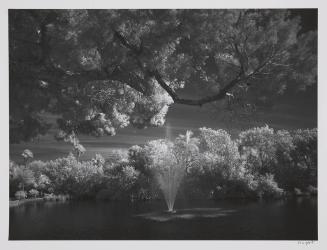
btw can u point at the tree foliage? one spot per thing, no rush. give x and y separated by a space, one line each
100 70
260 163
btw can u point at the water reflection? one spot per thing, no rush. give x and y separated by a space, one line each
187 214
290 219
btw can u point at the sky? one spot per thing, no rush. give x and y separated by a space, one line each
292 111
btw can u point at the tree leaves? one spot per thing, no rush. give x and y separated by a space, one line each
152 54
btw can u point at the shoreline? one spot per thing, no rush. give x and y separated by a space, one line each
16 203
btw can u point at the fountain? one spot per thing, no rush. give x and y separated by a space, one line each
169 180
170 162
166 170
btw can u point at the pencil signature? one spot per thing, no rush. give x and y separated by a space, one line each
306 242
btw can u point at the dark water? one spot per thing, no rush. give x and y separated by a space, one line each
292 219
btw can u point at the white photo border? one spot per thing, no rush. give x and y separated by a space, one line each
167 4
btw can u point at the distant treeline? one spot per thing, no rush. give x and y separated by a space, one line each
259 163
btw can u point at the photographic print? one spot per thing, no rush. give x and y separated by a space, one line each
163 124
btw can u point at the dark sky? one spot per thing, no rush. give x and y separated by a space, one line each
291 111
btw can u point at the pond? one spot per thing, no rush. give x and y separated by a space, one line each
289 219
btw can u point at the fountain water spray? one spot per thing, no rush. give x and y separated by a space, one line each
169 181
170 163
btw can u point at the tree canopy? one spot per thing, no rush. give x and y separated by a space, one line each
100 70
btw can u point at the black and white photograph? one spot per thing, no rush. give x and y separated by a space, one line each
163 124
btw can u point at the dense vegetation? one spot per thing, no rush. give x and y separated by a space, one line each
101 70
261 162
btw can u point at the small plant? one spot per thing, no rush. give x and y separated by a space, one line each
267 187
20 195
33 193
27 154
78 150
49 197
98 160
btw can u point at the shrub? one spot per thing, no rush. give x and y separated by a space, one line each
284 146
33 193
120 182
160 153
20 195
78 150
218 162
220 145
49 197
290 157
186 149
267 187
305 155
69 176
43 183
139 158
81 179
98 160
127 177
258 147
13 180
20 177
283 169
118 155
296 159
260 162
248 186
144 194
37 167
235 188
27 154
146 186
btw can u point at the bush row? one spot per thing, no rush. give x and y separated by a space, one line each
261 162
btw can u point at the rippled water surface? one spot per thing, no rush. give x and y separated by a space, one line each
292 219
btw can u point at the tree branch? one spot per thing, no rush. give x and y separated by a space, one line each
199 102
136 50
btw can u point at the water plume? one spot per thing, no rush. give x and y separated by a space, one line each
169 180
170 160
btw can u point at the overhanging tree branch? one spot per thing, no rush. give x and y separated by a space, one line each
220 95
57 72
135 81
155 73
